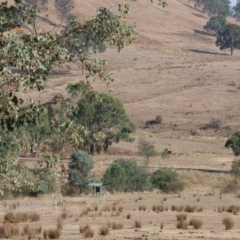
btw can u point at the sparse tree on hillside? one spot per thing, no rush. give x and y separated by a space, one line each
213 7
63 8
229 37
146 149
215 24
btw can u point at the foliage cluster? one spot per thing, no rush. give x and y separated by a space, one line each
28 55
167 180
215 24
213 7
125 175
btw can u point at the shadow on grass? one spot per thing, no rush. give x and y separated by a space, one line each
207 52
199 15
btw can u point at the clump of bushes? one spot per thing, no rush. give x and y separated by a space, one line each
167 180
125 175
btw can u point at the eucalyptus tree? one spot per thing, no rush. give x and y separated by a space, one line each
28 54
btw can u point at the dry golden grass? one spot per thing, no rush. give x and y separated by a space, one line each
196 223
162 225
177 208
233 209
53 233
182 224
31 232
86 231
21 217
190 209
120 209
34 217
228 223
137 224
63 215
103 231
59 226
8 231
117 226
181 217
128 216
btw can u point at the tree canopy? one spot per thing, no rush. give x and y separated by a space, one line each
28 55
234 143
213 7
102 115
25 66
229 37
215 24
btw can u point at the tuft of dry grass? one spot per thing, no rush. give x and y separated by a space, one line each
120 209
8 231
182 224
84 212
137 224
114 208
9 217
221 209
117 226
21 217
190 209
128 216
177 208
63 215
86 231
34 216
31 232
103 231
53 233
140 208
181 217
228 223
196 223
233 209
162 225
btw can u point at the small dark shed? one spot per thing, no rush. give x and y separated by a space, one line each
98 188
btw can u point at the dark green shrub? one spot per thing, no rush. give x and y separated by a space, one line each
166 180
115 178
137 177
125 175
79 170
215 24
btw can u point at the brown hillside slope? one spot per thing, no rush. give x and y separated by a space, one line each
173 69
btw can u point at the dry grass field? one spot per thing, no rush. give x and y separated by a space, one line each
176 71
